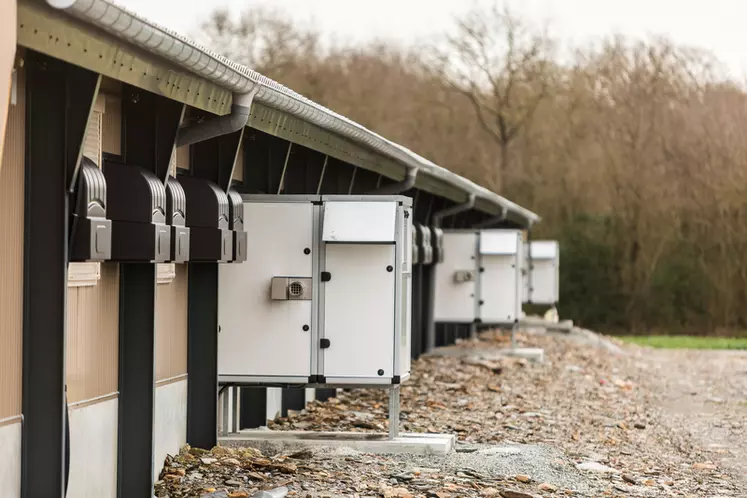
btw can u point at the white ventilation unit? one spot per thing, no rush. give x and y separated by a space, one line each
324 295
480 277
542 278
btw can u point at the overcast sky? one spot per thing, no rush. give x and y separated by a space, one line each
716 25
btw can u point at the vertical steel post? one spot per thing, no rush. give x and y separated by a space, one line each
58 102
202 355
213 160
137 374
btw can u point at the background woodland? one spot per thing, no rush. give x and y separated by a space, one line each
633 152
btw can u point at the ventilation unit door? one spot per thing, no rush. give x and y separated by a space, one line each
359 314
261 336
499 289
456 279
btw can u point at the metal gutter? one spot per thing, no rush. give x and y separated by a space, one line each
239 79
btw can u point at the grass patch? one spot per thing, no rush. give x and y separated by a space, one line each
687 342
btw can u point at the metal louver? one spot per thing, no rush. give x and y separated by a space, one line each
92 138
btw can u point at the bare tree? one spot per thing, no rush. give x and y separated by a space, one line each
263 39
504 68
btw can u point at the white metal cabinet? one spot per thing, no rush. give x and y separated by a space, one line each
252 325
542 281
324 295
501 276
456 278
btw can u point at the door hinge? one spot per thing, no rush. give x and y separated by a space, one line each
324 343
326 276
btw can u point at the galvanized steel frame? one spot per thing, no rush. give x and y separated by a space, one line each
41 28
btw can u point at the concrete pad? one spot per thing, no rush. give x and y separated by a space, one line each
535 355
365 442
538 326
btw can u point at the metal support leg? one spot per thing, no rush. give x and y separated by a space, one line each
224 412
235 413
513 334
394 412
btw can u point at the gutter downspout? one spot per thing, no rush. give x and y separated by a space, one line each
399 187
430 332
220 125
459 208
494 220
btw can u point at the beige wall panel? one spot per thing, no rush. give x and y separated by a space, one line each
111 139
93 337
182 157
11 257
171 326
238 169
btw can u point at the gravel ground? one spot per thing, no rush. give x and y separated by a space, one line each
705 394
586 422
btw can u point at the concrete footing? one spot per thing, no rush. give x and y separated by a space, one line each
539 326
417 444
